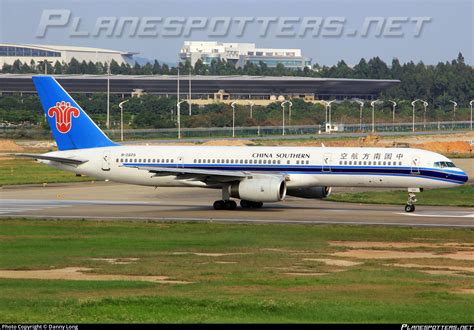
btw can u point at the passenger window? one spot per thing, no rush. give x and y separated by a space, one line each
400 163
121 160
279 161
350 162
288 162
297 162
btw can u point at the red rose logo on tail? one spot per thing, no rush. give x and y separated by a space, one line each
63 112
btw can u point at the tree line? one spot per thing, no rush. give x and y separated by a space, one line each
437 84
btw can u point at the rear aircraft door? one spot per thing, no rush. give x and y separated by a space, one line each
415 165
327 162
106 161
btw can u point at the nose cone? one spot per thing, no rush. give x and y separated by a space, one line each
462 176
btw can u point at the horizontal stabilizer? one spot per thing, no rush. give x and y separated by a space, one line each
64 160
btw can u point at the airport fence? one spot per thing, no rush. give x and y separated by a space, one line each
34 133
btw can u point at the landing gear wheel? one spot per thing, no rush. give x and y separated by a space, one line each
219 205
230 205
257 205
409 208
245 204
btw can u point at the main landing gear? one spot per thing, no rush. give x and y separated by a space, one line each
232 205
410 207
227 204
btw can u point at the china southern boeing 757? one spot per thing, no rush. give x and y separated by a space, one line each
253 175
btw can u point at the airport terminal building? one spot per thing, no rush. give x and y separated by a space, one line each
240 54
26 53
205 89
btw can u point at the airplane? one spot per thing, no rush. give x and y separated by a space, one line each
254 175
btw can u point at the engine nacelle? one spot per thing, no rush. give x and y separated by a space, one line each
311 192
259 190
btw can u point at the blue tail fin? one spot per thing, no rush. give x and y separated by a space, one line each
72 127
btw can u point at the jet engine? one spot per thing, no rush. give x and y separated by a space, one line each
269 189
311 192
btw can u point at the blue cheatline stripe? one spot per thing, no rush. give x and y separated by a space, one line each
425 173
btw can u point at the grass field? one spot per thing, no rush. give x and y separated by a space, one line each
25 171
248 273
459 196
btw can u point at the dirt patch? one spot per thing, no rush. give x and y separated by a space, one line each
81 274
306 274
441 272
228 143
393 254
336 262
202 254
460 147
286 251
116 261
398 245
9 146
451 268
468 291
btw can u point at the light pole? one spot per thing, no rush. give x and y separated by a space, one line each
251 108
283 110
394 105
290 104
178 106
361 104
372 104
45 61
121 118
189 98
470 103
413 106
454 110
108 96
425 105
327 107
233 117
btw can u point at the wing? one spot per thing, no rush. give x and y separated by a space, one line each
64 160
220 176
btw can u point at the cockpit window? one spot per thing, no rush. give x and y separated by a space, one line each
444 164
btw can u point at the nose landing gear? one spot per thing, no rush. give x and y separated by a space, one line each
410 207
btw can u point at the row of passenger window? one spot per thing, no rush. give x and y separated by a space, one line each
365 162
246 161
144 160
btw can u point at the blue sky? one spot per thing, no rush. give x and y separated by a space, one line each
449 31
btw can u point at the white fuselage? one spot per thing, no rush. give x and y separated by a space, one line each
303 166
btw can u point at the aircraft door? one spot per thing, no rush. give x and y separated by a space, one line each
327 162
415 165
180 162
106 161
